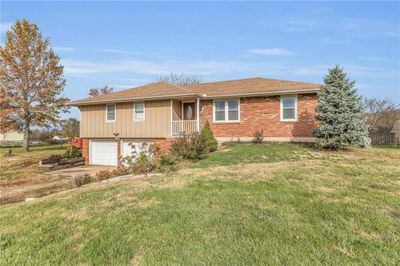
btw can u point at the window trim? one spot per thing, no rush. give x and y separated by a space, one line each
134 112
226 111
295 108
115 113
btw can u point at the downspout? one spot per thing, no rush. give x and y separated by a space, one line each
198 114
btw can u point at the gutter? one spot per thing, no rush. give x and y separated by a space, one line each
161 97
205 96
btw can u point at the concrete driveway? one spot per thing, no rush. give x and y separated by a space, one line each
80 170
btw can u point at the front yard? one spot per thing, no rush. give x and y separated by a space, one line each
245 204
25 165
21 177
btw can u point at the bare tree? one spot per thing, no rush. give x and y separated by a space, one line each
381 114
181 79
93 92
70 128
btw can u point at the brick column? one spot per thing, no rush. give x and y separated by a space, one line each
85 150
118 152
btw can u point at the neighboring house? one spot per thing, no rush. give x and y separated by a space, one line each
157 112
58 138
396 129
11 136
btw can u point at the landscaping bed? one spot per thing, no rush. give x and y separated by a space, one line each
62 163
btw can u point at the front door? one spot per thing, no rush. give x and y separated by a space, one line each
189 111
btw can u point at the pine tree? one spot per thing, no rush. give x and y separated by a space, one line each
339 112
207 133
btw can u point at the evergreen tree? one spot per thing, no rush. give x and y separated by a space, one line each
207 133
339 112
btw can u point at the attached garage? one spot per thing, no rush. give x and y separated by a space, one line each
103 152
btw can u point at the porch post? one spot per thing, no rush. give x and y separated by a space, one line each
198 114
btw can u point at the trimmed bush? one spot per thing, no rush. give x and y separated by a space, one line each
207 133
82 180
192 147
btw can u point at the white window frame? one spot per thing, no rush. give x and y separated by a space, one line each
134 112
226 111
295 108
115 113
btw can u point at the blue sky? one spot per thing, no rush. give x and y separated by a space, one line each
126 44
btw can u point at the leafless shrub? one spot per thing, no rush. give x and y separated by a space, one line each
381 114
181 79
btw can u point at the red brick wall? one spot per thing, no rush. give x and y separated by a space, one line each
119 152
85 150
258 113
164 145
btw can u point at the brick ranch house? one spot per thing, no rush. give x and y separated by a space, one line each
158 112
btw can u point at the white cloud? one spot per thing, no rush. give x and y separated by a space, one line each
270 51
124 86
379 59
116 51
149 68
64 49
4 27
354 71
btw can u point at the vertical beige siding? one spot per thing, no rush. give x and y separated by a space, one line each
157 123
176 110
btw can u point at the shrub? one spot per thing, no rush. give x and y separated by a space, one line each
192 147
72 152
82 180
121 170
140 162
103 175
168 160
258 136
207 133
166 163
143 164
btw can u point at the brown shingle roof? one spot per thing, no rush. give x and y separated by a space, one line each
153 90
251 86
241 87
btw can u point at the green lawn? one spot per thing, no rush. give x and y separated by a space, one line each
25 165
245 204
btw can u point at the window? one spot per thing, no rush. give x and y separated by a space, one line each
226 110
288 108
110 113
138 114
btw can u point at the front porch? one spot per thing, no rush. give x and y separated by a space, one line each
185 116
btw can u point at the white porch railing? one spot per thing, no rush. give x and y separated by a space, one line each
183 127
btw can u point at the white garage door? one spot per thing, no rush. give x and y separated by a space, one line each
127 148
103 152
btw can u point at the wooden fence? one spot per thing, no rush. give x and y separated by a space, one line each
384 138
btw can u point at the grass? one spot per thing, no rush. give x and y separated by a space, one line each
250 153
25 165
245 204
